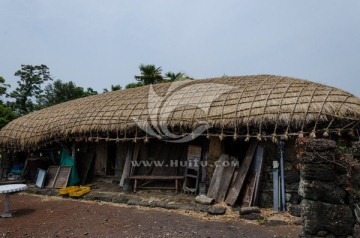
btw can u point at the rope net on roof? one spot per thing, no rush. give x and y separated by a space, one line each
238 106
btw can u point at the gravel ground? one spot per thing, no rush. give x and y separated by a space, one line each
43 216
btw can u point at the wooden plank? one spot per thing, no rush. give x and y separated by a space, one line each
215 182
247 193
194 152
205 155
121 149
101 155
156 177
51 175
260 155
135 157
238 181
127 165
144 154
251 188
62 177
226 179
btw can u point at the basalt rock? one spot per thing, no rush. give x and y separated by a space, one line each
315 157
321 191
323 172
318 216
316 144
294 210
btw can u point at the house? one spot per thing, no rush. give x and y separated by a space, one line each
158 123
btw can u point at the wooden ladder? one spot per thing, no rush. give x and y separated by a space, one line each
192 170
191 178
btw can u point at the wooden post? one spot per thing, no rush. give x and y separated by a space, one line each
73 151
203 164
127 166
282 179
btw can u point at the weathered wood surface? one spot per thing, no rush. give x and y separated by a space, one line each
101 156
238 181
121 149
51 174
62 178
156 177
215 150
135 157
260 158
226 179
215 182
248 190
127 166
205 155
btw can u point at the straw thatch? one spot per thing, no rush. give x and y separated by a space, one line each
264 103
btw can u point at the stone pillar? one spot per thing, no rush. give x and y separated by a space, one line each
354 188
325 208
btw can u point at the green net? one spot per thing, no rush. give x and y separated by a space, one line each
67 160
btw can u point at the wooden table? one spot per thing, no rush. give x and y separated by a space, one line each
7 189
152 178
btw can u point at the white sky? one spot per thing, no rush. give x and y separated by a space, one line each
99 43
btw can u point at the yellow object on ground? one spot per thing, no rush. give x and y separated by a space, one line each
80 192
65 191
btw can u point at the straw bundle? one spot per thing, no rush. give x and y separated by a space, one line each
241 105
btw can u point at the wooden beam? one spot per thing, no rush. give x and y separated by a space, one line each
127 166
238 180
204 157
73 151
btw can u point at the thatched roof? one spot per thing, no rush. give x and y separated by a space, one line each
236 105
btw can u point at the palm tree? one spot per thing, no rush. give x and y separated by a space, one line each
174 77
170 76
150 74
113 88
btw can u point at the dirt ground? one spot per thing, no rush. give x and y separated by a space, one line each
42 216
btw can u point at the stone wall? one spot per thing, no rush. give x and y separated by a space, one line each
325 208
354 186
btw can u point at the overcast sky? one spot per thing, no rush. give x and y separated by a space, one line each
99 43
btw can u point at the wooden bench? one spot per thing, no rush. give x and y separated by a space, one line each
152 178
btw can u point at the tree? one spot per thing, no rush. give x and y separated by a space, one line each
171 77
134 85
6 113
150 74
59 92
29 87
113 88
3 86
89 91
